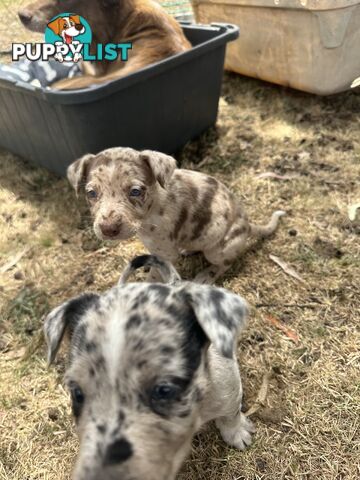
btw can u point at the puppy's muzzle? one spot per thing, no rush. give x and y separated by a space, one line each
110 230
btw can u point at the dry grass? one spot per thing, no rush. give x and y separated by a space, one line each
308 422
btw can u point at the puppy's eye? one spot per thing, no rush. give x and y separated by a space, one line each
78 395
135 192
78 399
164 392
91 194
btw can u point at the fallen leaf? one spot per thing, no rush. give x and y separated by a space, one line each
352 210
223 102
304 156
205 161
291 334
96 252
287 269
28 180
14 260
15 354
261 396
275 175
356 83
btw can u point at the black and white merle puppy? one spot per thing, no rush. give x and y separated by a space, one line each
149 364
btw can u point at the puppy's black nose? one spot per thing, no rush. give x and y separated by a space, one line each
25 16
110 229
79 27
118 452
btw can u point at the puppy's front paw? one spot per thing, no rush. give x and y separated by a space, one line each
238 432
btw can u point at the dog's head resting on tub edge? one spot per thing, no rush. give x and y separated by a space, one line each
35 16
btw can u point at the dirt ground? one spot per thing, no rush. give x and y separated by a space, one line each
300 354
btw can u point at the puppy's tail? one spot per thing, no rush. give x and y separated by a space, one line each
166 270
266 230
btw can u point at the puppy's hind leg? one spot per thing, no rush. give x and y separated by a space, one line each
236 430
222 256
234 245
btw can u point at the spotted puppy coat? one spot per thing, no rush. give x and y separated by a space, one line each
149 364
172 210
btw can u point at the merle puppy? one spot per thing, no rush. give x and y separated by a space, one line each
171 209
149 364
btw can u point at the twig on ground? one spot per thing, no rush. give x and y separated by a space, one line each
286 268
261 396
14 260
276 176
288 305
96 252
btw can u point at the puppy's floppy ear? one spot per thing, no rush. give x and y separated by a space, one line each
55 25
161 165
78 172
64 319
220 313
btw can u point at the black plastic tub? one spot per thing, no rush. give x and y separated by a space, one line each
160 107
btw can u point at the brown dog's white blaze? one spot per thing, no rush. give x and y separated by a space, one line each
173 210
149 364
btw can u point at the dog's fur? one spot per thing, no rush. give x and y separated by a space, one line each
154 34
149 364
177 210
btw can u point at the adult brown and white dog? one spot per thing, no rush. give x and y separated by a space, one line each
154 34
172 210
